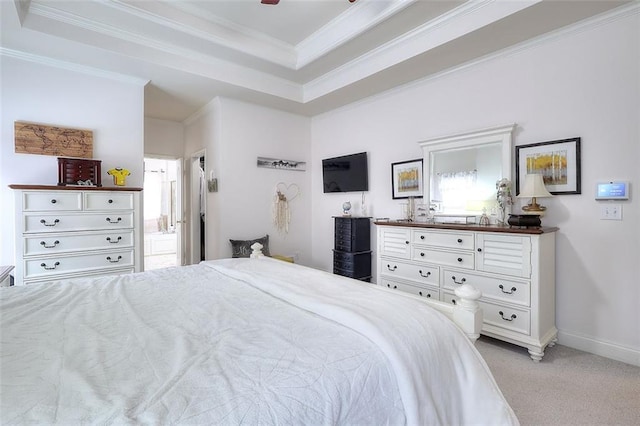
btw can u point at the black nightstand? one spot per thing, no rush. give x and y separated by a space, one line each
352 247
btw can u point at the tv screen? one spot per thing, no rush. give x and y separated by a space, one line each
348 173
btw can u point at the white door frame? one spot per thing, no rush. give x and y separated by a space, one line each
195 205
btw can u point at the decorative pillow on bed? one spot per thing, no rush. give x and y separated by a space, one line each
242 248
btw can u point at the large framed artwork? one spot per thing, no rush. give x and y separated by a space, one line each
557 161
406 179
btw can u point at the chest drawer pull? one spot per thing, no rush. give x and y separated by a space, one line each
50 268
513 316
428 295
114 261
423 275
53 201
55 222
507 292
114 242
462 281
422 254
114 221
110 201
460 259
392 269
44 244
460 240
394 287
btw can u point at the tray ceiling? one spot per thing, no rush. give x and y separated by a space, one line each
304 56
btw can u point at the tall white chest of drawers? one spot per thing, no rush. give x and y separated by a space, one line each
514 268
64 232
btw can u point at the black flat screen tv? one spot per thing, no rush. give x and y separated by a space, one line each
348 173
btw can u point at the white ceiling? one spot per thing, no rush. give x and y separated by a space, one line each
304 56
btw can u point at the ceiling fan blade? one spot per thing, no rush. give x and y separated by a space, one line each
270 1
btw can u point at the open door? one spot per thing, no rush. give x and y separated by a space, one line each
163 213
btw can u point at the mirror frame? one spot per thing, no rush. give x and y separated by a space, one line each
499 134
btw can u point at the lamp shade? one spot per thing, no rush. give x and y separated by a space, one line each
534 187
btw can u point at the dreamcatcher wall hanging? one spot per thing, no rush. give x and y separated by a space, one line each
280 208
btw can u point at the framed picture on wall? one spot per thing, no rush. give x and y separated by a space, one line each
406 179
557 161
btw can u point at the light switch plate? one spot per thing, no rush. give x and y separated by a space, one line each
611 211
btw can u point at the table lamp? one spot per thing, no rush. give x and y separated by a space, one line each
534 187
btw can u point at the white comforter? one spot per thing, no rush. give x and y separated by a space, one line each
242 341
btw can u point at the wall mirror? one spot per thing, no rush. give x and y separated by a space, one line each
460 171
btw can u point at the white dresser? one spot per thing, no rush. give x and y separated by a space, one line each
514 268
67 232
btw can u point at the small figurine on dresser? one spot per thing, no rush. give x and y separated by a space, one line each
119 175
504 199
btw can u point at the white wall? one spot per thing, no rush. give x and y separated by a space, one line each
112 108
235 134
163 138
584 83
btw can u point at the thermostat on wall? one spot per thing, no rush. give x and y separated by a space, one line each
612 191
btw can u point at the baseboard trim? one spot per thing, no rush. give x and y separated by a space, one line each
598 347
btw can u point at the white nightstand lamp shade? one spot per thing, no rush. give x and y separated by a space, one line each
534 187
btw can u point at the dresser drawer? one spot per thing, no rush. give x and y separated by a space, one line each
507 318
108 201
498 289
427 292
423 274
65 264
77 222
442 257
70 242
455 240
51 201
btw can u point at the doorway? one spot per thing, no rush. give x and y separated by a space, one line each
198 207
162 213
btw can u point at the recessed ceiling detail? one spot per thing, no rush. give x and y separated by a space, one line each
304 56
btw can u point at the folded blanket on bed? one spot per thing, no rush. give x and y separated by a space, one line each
441 377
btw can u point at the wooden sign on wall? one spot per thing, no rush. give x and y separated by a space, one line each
33 138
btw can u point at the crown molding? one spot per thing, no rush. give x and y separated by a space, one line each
449 26
359 18
205 26
190 61
56 63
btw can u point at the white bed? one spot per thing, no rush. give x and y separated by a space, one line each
236 341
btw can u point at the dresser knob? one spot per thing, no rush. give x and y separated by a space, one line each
406 242
462 281
110 201
54 201
44 244
50 268
392 269
459 240
421 254
459 259
479 250
513 316
422 237
507 292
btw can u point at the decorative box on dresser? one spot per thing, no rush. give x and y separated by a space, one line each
514 268
352 247
68 232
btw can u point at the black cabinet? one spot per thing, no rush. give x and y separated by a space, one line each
352 247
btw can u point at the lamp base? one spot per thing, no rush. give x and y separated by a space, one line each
525 220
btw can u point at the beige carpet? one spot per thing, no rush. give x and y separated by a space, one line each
569 387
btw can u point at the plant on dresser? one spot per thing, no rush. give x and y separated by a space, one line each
514 268
65 232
